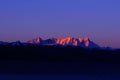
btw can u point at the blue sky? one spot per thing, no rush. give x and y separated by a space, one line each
26 19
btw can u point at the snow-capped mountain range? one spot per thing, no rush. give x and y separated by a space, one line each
69 41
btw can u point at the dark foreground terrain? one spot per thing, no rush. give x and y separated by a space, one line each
58 54
58 60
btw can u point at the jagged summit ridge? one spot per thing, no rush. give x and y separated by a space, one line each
82 42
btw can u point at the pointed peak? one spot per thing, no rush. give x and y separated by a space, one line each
86 39
38 39
80 39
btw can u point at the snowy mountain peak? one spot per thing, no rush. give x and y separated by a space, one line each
86 41
64 41
82 42
80 39
38 39
35 41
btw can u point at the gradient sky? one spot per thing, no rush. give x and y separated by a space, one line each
27 19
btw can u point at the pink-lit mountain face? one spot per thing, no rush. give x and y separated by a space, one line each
82 42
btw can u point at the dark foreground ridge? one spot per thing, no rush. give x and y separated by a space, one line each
58 54
36 59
